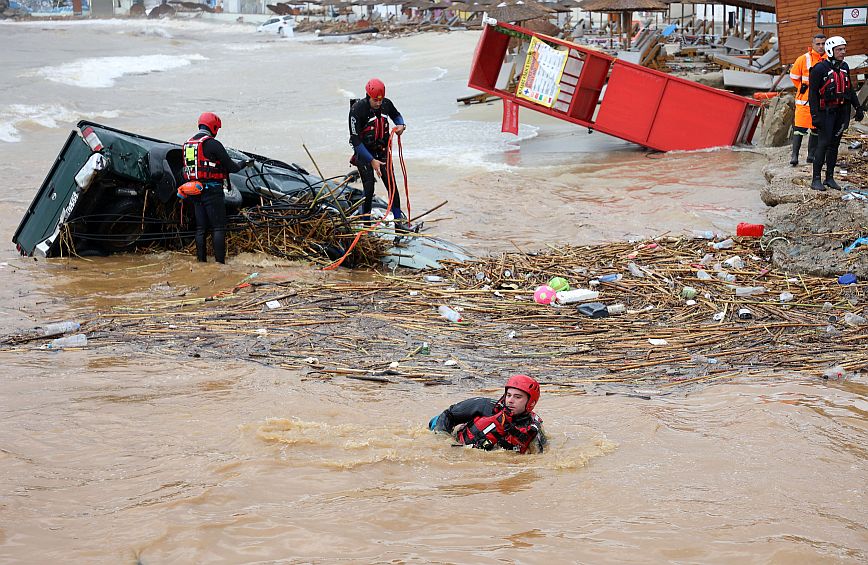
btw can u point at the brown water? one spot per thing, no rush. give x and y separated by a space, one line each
106 456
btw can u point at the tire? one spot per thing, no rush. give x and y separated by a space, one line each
121 227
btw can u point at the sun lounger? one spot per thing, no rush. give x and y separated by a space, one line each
754 81
768 62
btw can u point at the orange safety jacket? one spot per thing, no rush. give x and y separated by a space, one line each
799 73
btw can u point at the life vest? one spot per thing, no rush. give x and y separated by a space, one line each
196 166
835 88
500 430
375 134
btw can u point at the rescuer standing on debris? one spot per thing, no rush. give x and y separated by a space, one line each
800 75
509 423
206 161
369 136
831 96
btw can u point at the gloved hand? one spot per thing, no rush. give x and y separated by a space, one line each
860 113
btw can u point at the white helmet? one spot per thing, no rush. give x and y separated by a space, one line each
833 42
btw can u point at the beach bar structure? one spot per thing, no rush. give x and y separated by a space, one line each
641 105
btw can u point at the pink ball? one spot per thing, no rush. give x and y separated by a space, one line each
544 294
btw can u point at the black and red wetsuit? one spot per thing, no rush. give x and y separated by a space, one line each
369 136
830 96
206 160
489 425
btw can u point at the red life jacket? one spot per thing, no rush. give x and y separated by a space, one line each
196 166
834 90
499 430
375 134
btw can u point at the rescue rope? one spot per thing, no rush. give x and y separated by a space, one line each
392 186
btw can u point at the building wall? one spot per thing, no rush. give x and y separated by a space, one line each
797 23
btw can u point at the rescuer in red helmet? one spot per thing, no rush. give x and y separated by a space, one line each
509 423
206 161
369 136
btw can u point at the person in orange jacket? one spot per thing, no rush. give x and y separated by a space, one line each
800 74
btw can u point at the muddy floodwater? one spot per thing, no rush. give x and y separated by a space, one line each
118 455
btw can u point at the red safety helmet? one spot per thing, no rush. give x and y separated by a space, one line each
211 121
527 385
376 89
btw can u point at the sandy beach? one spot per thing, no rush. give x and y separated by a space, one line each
131 454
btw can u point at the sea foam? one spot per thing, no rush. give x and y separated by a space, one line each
17 116
101 72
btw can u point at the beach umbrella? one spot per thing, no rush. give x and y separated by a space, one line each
518 12
625 8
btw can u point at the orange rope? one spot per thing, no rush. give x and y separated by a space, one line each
391 184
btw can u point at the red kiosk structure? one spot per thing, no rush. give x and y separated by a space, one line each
640 105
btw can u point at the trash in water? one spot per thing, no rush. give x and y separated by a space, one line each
559 284
688 292
848 278
272 304
744 314
60 328
450 363
594 310
837 372
854 320
786 296
449 313
657 341
434 278
77 340
544 294
311 360
734 262
718 317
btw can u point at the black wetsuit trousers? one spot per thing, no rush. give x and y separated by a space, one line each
210 210
366 173
830 125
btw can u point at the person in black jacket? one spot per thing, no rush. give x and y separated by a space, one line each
206 161
369 136
509 423
830 96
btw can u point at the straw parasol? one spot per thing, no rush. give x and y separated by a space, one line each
522 10
625 8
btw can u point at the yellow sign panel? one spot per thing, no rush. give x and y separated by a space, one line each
541 76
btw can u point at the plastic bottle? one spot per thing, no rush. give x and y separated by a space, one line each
610 278
725 244
576 295
749 290
426 349
786 296
635 270
616 309
744 314
734 262
449 313
700 234
77 340
837 372
703 275
688 292
852 319
724 276
61 328
433 278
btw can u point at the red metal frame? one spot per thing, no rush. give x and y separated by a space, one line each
642 105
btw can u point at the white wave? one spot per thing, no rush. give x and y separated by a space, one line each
248 46
346 94
441 72
149 32
52 116
101 72
179 25
466 143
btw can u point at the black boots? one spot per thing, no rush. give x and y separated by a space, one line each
812 146
817 184
797 144
830 182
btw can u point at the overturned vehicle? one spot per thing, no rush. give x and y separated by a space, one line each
111 191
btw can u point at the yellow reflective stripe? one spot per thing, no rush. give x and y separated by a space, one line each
794 76
802 102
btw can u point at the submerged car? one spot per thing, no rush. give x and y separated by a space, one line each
113 191
280 25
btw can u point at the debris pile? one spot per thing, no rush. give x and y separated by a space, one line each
680 312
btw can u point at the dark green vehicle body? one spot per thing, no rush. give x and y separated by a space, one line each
140 181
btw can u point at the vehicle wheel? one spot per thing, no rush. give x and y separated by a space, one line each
121 226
